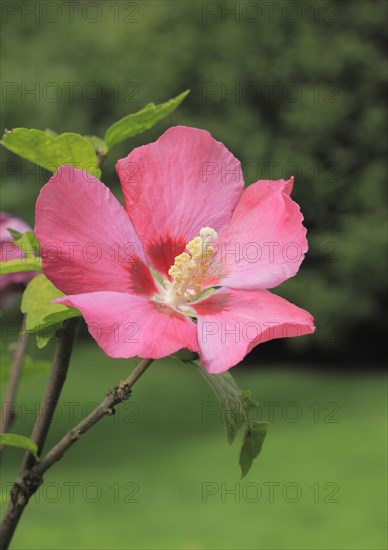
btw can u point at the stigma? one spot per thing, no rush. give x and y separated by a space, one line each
190 268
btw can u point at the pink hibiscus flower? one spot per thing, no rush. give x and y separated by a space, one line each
187 262
11 283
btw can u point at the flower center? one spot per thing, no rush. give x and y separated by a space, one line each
190 268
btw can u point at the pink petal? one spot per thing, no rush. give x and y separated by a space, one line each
184 181
231 322
125 325
88 242
265 242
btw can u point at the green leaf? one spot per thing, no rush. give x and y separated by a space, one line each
21 264
42 314
46 334
14 234
99 144
27 242
31 367
51 152
51 133
252 443
185 355
20 441
231 399
143 120
236 407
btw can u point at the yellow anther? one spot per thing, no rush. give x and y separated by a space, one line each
190 267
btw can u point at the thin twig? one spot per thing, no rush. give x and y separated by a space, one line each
8 413
120 393
30 480
59 368
58 373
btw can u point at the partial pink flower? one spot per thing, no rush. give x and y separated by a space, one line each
187 262
11 283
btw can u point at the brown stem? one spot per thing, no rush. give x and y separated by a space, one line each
58 373
8 413
59 368
30 480
120 393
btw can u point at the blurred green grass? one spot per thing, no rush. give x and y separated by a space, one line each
170 452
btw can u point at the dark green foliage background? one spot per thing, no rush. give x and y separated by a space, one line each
332 137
